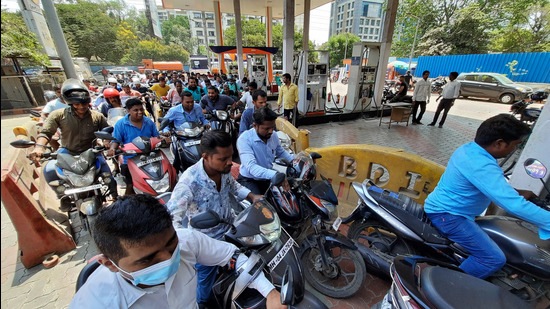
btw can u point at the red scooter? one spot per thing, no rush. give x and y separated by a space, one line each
150 168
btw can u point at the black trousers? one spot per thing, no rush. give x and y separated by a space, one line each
422 105
256 186
444 105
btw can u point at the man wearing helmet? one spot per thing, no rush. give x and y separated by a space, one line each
208 185
78 124
258 147
112 100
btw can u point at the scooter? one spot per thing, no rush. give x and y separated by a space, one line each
419 282
387 224
151 170
526 114
437 85
186 140
220 120
258 234
81 183
309 212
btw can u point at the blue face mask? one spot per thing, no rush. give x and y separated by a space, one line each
155 274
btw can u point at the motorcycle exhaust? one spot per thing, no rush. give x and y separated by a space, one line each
375 260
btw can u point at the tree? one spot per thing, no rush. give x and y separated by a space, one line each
154 49
18 41
176 30
253 33
340 47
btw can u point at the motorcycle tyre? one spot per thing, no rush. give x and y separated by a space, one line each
357 227
89 221
330 291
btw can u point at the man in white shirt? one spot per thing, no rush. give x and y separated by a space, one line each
146 263
247 96
450 92
421 96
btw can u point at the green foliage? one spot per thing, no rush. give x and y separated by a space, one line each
153 49
176 30
340 47
18 41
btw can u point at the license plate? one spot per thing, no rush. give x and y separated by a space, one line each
336 224
142 163
191 143
83 189
280 255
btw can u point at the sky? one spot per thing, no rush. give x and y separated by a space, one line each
318 32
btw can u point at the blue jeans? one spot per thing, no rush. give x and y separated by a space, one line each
485 255
206 276
50 174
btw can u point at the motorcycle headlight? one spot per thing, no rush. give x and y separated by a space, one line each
332 210
190 132
269 233
222 115
106 178
81 180
160 185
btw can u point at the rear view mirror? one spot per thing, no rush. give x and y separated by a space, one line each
205 220
22 143
282 162
535 168
278 179
104 135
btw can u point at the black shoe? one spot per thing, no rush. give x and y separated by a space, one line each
431 125
418 122
440 126
414 123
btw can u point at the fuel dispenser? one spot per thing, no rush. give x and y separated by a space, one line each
362 77
258 63
312 83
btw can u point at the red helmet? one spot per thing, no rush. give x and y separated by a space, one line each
111 93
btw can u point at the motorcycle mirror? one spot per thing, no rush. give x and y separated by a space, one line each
314 155
35 113
277 179
535 168
205 220
22 143
104 135
109 129
282 162
287 287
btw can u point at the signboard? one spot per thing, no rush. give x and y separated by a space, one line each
35 21
153 17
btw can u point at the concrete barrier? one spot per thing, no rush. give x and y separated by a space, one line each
299 137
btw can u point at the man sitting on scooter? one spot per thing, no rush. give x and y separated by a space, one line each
471 181
208 184
134 124
187 111
258 147
146 263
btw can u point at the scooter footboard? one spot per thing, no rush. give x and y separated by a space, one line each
310 301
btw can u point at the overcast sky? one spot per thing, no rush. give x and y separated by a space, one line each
318 32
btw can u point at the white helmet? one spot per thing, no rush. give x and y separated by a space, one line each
136 80
112 80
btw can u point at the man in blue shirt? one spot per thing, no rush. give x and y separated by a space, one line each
194 89
134 124
215 101
187 111
471 181
259 99
258 147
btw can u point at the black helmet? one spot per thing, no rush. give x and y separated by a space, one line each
73 91
50 95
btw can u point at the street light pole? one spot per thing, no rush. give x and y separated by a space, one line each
346 49
206 39
414 42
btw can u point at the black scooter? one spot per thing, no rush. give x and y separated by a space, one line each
419 282
257 232
185 146
387 224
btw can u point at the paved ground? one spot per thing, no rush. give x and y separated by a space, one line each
53 288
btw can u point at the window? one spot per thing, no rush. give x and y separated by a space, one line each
367 21
209 16
197 15
360 29
378 23
488 79
370 37
348 14
198 24
361 21
376 31
347 23
201 41
371 31
210 25
200 33
349 6
212 41
365 10
211 33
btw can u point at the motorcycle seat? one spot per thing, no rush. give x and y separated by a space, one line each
447 288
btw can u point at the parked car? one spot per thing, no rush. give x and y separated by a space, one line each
492 86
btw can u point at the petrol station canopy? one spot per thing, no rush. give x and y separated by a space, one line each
248 7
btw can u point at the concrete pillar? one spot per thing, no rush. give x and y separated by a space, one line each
239 30
219 31
302 79
59 39
385 48
288 36
269 43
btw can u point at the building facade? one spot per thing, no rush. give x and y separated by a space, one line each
360 17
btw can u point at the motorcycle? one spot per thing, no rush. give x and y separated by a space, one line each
394 224
81 183
185 146
419 282
258 234
332 264
150 168
437 85
526 114
539 95
221 120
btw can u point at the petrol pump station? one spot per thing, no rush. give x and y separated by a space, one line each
312 83
362 77
258 72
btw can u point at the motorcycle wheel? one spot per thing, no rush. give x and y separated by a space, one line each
381 238
89 223
343 279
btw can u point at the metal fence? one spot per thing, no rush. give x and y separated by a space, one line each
519 67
